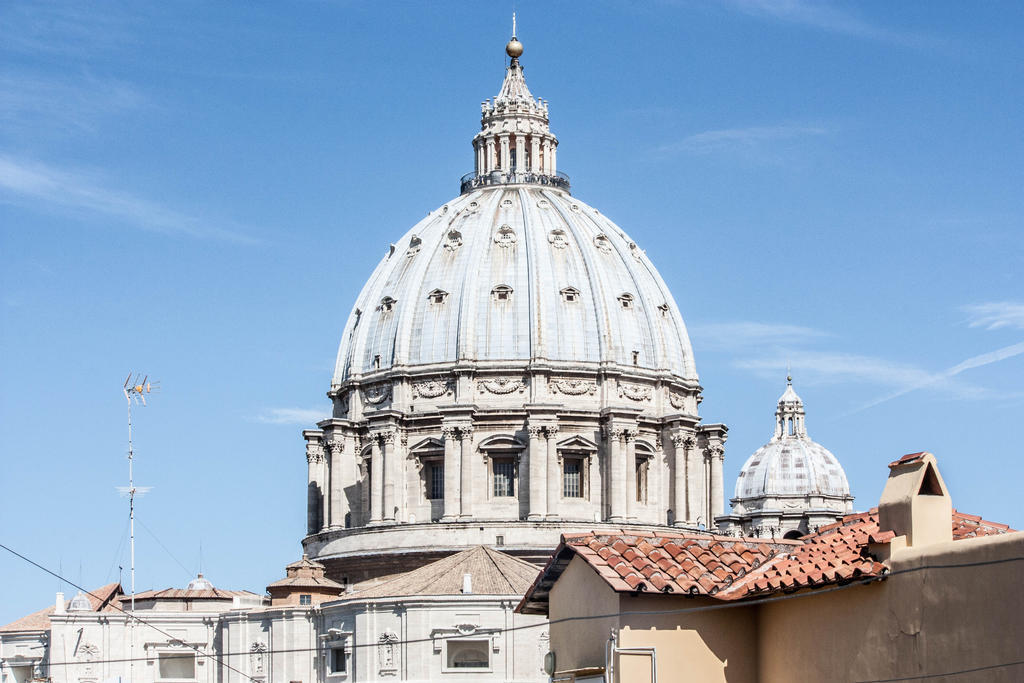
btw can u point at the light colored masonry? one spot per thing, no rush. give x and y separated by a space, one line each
790 486
515 367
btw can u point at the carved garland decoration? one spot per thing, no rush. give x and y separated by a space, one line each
501 385
431 388
376 394
676 400
634 392
572 387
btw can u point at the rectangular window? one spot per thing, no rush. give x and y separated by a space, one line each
641 480
572 484
435 482
339 661
468 654
504 477
178 667
305 599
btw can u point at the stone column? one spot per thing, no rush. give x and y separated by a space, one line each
467 470
387 448
336 477
536 470
314 487
479 157
503 164
535 155
376 479
520 154
694 484
616 474
716 456
554 473
452 477
489 160
547 157
682 445
630 435
554 159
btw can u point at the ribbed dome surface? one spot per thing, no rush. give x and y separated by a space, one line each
791 467
522 273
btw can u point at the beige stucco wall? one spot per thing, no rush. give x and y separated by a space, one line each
925 622
717 645
580 591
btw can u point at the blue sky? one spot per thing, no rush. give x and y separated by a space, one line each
198 190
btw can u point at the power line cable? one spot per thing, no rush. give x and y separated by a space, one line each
127 614
117 553
156 538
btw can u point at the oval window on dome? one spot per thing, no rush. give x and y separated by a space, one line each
543 204
558 239
506 203
603 244
574 207
505 236
453 241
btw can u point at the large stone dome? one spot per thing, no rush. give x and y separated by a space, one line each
515 368
515 273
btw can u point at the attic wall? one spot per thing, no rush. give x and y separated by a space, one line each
580 591
925 622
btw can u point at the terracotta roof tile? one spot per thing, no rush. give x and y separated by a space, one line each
733 568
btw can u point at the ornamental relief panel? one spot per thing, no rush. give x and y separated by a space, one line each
431 388
676 400
376 394
572 387
634 392
501 385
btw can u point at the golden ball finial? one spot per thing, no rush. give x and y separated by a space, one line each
514 49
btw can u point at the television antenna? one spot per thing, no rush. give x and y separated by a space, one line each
135 392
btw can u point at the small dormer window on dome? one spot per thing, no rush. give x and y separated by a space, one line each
386 304
501 293
80 603
200 583
603 244
505 236
570 295
626 300
558 239
437 297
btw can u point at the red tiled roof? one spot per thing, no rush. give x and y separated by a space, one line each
185 594
101 600
729 568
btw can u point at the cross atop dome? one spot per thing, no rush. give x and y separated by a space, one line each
515 144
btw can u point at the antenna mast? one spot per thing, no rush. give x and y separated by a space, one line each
135 393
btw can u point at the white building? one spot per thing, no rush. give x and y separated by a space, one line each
790 486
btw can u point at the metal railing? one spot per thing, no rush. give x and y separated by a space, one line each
472 181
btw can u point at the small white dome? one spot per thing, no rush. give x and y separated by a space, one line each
792 466
200 583
80 603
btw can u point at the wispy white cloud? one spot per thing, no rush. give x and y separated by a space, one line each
997 314
745 335
764 142
831 367
299 416
34 102
946 375
41 186
827 16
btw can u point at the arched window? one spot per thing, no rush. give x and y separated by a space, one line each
644 458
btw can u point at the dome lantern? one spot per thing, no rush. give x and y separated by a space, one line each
515 144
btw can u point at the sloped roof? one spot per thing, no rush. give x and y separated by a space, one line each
102 599
185 594
729 568
493 572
